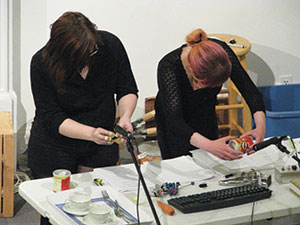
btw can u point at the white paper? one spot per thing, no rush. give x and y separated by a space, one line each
125 177
182 169
266 158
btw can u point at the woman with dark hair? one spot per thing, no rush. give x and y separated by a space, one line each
189 79
76 79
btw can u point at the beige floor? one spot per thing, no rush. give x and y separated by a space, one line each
24 214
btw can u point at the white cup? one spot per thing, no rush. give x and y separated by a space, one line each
78 201
99 212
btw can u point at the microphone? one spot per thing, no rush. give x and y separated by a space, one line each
146 117
148 132
263 144
126 134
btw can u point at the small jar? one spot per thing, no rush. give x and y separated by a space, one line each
61 180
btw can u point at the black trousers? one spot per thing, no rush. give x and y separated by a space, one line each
44 221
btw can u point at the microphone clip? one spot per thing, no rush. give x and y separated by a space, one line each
126 134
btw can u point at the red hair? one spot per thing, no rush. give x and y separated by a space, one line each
208 60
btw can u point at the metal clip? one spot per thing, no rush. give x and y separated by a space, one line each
251 177
293 148
98 181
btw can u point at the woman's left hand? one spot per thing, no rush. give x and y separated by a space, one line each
126 124
257 133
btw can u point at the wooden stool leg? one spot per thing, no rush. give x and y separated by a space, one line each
233 114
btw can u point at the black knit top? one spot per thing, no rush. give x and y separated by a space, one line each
89 101
181 111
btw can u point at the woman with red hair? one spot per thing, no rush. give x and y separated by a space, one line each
189 80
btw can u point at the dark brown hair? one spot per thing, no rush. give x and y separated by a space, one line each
73 37
209 61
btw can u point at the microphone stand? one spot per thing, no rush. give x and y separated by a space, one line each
130 149
284 150
277 142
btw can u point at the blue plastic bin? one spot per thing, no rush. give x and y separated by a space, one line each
282 109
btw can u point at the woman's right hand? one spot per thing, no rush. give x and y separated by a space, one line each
220 149
216 147
102 136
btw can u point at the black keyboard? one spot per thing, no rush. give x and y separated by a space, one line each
220 198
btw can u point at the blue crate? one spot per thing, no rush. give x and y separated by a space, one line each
282 109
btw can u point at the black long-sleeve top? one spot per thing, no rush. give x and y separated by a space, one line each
181 111
89 101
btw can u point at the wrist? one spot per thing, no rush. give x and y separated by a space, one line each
90 134
125 119
200 141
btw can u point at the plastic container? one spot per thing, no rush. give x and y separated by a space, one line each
282 109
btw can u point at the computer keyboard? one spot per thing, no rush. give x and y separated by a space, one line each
220 198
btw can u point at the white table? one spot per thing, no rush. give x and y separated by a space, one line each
283 203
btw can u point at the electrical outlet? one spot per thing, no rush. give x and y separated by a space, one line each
286 79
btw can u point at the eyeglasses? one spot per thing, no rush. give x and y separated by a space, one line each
95 50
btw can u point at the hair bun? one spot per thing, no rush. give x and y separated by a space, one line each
196 36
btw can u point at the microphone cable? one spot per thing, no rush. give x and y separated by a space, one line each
129 138
139 182
252 213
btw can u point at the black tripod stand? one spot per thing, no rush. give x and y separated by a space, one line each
129 137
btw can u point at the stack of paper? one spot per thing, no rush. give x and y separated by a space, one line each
182 169
124 177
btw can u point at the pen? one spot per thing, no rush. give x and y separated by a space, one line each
236 45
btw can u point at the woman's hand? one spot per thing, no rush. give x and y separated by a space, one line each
259 132
102 137
217 147
126 124
126 107
220 149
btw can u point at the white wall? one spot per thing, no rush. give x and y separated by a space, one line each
151 28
